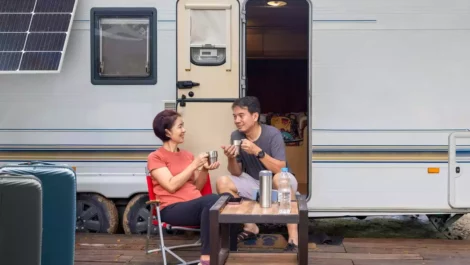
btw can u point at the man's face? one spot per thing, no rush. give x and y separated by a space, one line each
243 119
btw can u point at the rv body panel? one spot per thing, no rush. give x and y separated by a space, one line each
387 77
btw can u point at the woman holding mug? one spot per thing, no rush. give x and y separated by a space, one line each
178 177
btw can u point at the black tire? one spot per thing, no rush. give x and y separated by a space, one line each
96 214
134 219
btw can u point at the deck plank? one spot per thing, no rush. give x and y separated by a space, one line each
104 249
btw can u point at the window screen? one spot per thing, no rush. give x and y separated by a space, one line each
208 37
124 47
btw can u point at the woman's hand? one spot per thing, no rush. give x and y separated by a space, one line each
200 160
213 166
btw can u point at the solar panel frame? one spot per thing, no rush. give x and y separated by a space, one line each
49 27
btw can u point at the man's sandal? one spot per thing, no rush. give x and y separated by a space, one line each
246 235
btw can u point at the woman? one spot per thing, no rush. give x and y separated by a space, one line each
178 177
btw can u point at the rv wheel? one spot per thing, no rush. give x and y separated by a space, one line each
135 217
96 214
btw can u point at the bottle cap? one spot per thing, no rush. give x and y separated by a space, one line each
285 169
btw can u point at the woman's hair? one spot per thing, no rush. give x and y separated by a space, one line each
164 120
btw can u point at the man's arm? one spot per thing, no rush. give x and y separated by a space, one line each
275 162
272 164
234 167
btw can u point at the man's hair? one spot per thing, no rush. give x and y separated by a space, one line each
249 102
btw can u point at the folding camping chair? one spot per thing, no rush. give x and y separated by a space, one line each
156 220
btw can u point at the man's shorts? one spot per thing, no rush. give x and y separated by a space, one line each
246 184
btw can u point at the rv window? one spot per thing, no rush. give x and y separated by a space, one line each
208 41
123 46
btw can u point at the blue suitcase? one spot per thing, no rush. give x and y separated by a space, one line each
59 203
20 219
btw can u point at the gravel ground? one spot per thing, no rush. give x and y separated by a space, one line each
380 227
462 227
388 227
374 227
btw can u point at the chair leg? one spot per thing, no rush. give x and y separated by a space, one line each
164 248
195 244
162 243
149 225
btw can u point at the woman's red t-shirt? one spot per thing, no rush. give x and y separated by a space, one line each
176 162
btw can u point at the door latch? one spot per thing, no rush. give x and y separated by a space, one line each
457 170
182 101
186 84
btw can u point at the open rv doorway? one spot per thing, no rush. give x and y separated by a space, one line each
277 72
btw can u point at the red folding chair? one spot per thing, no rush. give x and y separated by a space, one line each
156 220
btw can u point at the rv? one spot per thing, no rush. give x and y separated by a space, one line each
371 96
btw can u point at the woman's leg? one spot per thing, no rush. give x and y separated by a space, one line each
193 213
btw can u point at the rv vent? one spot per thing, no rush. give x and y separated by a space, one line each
171 105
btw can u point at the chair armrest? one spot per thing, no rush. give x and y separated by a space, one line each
157 202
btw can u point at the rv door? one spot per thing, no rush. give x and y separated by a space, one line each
208 74
459 175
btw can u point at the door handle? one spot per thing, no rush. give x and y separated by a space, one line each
186 84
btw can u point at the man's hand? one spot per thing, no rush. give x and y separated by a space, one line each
250 147
230 151
213 166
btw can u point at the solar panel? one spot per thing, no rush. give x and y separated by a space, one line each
34 34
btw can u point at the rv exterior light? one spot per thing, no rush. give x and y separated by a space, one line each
277 3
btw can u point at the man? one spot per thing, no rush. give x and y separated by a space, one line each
262 148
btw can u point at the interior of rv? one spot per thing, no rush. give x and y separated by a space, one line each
277 72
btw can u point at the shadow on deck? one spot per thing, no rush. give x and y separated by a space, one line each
103 249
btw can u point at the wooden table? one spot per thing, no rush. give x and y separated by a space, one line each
223 215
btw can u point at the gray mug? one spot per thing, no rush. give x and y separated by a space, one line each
237 144
212 157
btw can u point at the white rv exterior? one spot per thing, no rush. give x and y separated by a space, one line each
389 85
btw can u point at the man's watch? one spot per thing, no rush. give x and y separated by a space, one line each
260 154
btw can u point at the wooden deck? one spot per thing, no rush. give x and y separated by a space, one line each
101 249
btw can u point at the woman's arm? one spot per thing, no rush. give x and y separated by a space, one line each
200 178
171 183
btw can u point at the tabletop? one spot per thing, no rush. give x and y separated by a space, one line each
248 207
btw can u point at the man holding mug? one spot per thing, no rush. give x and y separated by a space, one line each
261 148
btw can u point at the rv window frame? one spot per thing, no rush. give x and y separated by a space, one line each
96 14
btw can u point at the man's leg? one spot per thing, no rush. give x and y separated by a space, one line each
239 186
292 229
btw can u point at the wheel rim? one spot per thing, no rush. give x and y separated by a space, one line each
88 218
141 220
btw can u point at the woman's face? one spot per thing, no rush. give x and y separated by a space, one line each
176 133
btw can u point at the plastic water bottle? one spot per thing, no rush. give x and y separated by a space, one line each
284 192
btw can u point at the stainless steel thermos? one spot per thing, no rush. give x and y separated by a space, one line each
265 189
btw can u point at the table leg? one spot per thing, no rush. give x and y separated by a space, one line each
233 237
225 243
215 238
214 213
303 232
